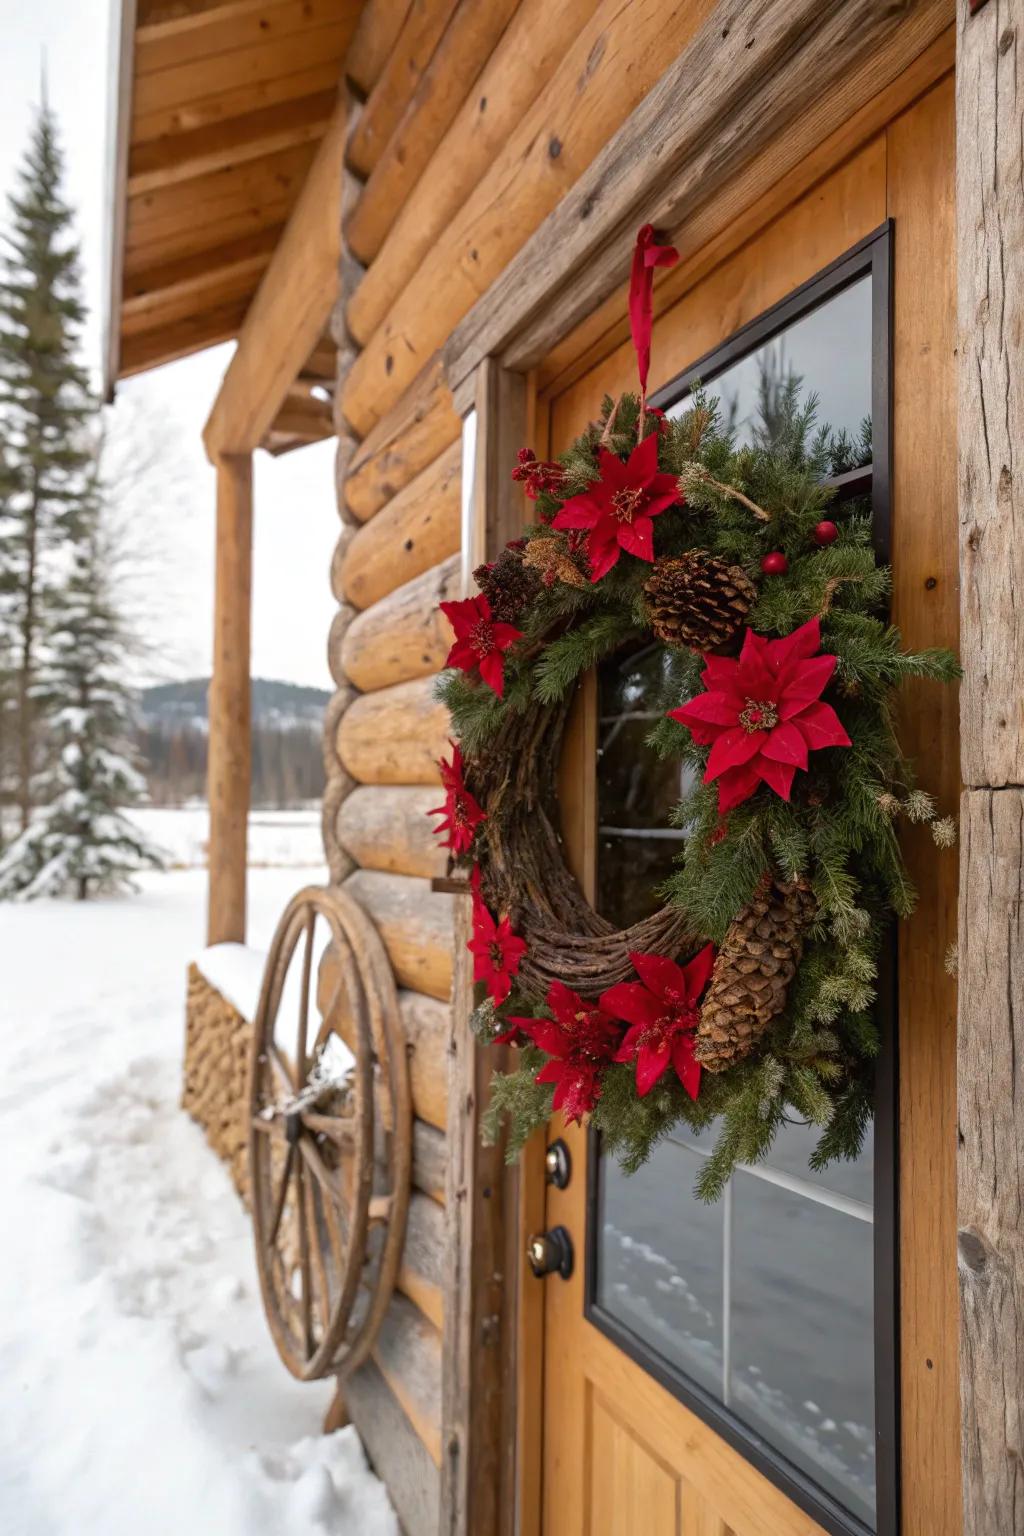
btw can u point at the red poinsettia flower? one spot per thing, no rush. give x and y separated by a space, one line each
618 507
581 1040
496 950
479 640
462 813
763 714
662 1011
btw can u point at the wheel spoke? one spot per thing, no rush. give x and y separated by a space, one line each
306 1300
318 1255
337 1128
307 968
282 1196
282 1070
334 1203
272 1128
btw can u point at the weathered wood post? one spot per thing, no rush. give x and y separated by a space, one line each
990 218
230 742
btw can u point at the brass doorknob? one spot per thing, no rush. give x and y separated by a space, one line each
550 1253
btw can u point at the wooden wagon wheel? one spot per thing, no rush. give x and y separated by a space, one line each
331 1136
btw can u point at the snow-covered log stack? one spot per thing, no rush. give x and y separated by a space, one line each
217 1042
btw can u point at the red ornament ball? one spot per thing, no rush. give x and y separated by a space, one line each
826 532
775 564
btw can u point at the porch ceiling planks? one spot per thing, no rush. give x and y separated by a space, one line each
224 104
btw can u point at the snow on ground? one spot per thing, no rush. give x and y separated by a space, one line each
139 1388
275 837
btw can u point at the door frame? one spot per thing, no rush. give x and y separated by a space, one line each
498 338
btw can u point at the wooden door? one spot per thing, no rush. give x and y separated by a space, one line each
624 1452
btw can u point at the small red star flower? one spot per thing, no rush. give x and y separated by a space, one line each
763 714
479 640
462 813
581 1041
618 507
496 950
662 1012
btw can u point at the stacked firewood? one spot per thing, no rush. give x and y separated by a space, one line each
215 1090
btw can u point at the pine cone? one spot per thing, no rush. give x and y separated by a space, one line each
753 970
508 585
698 600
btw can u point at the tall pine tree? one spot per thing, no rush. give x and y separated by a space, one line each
81 842
48 418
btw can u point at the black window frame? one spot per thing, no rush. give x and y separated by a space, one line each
872 257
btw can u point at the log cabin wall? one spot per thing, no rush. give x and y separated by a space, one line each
469 123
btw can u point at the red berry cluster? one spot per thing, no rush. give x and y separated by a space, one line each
538 476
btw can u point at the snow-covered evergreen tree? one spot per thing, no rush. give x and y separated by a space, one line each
81 842
48 418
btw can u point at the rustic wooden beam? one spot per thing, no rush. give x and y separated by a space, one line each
415 531
288 314
388 826
236 101
230 744
403 443
424 24
415 924
182 157
534 44
150 288
379 25
396 1451
190 334
990 267
478 1472
463 50
748 74
395 735
405 635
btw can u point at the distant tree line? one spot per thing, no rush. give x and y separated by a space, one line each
287 765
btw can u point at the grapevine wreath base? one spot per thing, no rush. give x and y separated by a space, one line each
747 998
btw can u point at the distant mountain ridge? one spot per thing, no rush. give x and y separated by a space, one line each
284 705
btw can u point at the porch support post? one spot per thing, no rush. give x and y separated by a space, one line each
990 258
230 739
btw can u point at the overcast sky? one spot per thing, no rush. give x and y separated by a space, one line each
296 524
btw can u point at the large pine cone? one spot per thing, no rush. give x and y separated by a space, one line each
754 967
698 600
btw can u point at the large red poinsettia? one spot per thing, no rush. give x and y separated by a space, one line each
461 811
497 951
618 507
479 640
581 1040
662 1012
763 713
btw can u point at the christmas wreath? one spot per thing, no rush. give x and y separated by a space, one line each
747 997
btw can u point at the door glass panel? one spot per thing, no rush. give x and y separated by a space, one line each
764 1301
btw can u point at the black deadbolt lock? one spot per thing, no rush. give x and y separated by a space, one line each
550 1253
558 1164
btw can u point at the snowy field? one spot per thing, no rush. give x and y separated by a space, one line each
276 838
139 1389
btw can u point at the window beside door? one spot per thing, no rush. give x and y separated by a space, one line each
770 1312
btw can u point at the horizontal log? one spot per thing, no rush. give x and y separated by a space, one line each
534 43
408 1352
385 826
412 435
396 735
461 53
429 1160
425 1022
612 65
405 635
417 530
421 1273
747 87
414 47
395 1450
415 924
379 24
